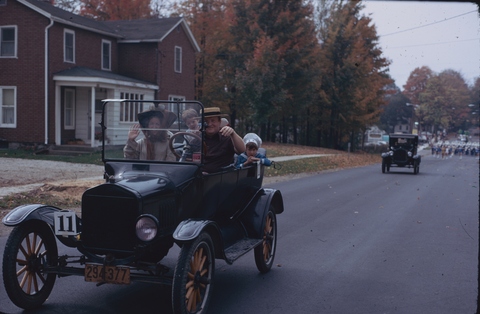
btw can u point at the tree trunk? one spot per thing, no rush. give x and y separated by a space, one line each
295 133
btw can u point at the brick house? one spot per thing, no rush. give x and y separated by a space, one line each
56 67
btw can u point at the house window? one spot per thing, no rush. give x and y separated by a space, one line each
8 41
69 112
8 105
129 110
172 107
106 54
178 59
69 46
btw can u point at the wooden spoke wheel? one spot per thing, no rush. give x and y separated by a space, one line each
265 252
30 248
192 282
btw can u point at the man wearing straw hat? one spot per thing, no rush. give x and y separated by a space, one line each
221 142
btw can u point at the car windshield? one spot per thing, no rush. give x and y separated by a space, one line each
167 131
402 142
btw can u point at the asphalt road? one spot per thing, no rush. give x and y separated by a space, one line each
350 241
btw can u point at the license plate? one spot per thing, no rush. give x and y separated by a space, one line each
108 274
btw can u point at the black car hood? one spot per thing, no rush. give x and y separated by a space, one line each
145 184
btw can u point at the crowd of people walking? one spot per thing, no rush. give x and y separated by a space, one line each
447 149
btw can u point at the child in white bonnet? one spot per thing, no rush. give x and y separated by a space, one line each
251 155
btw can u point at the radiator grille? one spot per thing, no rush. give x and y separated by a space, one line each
400 155
109 222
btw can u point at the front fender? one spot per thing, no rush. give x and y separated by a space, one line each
29 212
39 212
189 229
269 196
254 216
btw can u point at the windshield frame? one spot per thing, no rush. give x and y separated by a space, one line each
177 126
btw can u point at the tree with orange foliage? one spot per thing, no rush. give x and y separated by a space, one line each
209 21
113 10
444 101
416 83
354 75
262 61
280 78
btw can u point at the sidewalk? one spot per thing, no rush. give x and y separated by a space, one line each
5 191
286 158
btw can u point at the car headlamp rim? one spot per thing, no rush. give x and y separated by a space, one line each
146 227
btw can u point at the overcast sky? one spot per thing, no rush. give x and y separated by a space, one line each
452 41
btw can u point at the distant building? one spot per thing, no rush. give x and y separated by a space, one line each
402 128
374 135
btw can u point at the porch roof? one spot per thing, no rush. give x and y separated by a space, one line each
84 75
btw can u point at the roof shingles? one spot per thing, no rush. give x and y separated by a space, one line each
154 29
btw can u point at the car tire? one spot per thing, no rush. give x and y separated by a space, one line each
30 247
193 277
416 168
265 252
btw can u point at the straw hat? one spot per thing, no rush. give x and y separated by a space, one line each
213 112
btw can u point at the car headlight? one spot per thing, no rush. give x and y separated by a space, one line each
146 227
409 154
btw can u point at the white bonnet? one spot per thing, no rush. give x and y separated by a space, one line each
252 138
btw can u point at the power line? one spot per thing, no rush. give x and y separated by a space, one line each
432 44
406 30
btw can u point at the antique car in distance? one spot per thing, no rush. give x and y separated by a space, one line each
402 153
129 223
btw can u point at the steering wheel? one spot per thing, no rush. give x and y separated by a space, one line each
188 140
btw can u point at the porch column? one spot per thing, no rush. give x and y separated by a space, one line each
58 115
92 114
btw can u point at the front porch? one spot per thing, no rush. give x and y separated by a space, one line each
78 102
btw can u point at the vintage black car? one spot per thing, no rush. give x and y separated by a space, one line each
129 223
402 153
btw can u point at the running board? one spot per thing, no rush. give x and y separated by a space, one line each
240 248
